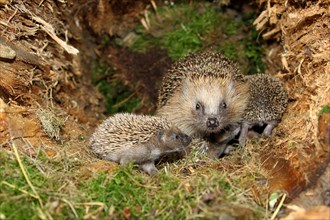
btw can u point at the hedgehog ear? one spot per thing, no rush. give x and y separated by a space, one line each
160 135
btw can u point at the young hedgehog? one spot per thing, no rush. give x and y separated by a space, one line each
202 94
267 103
125 138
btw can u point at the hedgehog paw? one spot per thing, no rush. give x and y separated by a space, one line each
229 150
149 168
269 128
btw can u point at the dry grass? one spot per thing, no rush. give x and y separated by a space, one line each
45 179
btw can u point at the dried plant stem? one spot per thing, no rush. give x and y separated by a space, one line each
71 206
88 214
21 190
51 32
278 207
49 29
36 195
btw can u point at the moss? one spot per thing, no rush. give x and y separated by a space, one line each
17 198
118 96
230 50
325 109
254 53
126 192
187 27
231 27
184 28
247 52
122 190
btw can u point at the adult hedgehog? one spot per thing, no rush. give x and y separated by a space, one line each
203 93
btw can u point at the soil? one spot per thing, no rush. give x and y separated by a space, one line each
40 70
142 70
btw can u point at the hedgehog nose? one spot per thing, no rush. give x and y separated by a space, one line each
186 140
212 123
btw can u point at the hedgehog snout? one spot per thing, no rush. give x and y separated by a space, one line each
212 123
186 140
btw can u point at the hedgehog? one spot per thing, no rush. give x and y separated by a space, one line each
203 63
267 103
203 94
125 137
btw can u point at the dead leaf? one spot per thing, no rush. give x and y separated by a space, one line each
127 212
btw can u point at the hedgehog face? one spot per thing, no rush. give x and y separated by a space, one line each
214 103
208 116
173 140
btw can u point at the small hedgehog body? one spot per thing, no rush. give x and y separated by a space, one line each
125 138
267 103
202 94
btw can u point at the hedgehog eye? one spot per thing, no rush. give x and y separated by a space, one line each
223 105
198 106
175 136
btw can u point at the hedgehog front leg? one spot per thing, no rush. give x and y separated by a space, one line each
149 168
218 142
124 161
244 133
269 128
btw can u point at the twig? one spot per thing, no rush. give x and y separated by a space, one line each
48 28
50 31
4 23
278 207
11 17
25 174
